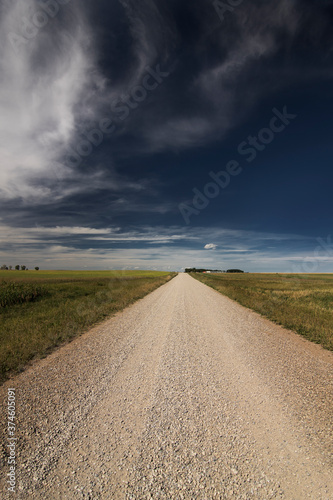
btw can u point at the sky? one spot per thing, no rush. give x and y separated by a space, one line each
165 134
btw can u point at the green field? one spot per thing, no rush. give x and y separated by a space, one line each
41 310
48 276
300 302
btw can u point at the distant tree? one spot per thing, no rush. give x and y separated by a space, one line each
23 268
234 271
17 268
37 268
10 267
4 268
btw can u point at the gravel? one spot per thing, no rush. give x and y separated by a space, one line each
184 395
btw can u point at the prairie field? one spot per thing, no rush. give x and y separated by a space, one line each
40 310
48 276
300 302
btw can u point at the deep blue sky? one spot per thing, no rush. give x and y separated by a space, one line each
113 114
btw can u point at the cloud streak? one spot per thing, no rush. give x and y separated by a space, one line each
54 90
41 88
175 247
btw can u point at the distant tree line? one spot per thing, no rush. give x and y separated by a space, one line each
17 268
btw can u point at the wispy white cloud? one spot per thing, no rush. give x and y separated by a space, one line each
228 239
42 85
223 87
145 24
148 247
165 257
47 235
54 85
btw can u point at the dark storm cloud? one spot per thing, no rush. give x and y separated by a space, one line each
222 68
73 76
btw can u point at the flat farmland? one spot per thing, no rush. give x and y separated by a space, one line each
40 310
48 276
300 302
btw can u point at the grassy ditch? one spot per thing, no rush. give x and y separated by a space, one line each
300 302
40 311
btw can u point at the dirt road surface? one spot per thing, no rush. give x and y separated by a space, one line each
184 395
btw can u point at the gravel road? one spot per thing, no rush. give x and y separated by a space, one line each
184 395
